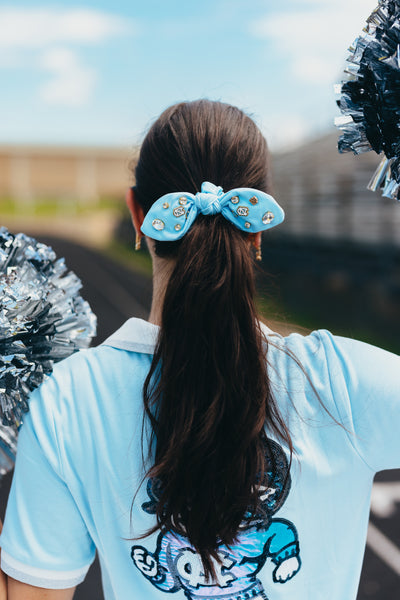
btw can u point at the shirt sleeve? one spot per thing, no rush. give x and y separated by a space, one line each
45 542
365 384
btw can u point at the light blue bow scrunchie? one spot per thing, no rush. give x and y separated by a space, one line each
172 215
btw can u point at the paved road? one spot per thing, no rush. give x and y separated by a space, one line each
115 294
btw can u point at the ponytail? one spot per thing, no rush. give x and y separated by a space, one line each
208 407
207 395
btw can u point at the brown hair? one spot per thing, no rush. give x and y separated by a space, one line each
207 395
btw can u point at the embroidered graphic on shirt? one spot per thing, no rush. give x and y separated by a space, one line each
175 565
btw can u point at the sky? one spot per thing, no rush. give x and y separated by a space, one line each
98 72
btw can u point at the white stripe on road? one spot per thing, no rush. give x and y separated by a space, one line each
384 498
384 548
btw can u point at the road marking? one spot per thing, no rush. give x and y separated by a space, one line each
384 548
384 498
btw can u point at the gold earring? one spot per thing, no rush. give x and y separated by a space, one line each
258 250
138 242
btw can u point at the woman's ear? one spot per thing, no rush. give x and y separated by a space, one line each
137 214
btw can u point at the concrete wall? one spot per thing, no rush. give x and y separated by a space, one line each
325 195
84 174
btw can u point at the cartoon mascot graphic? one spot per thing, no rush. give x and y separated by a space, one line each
175 565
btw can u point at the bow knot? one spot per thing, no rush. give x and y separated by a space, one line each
208 204
172 215
207 201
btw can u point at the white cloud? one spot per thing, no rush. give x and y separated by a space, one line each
72 83
39 27
286 131
31 37
315 36
11 60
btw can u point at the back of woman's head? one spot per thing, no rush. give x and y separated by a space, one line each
192 142
207 394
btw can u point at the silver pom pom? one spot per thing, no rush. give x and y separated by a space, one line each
43 319
370 96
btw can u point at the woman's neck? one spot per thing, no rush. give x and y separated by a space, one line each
162 270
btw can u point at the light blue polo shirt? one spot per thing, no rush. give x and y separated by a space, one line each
79 465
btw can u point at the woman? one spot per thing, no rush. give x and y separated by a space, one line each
200 453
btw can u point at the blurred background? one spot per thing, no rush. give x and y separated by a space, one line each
81 82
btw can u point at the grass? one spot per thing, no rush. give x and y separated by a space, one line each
270 309
139 261
52 207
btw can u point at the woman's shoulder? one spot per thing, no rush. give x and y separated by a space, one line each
301 343
343 370
132 344
337 349
330 362
320 344
90 380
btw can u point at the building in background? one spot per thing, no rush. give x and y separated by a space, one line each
325 195
28 173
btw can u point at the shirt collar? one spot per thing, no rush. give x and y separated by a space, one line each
138 335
